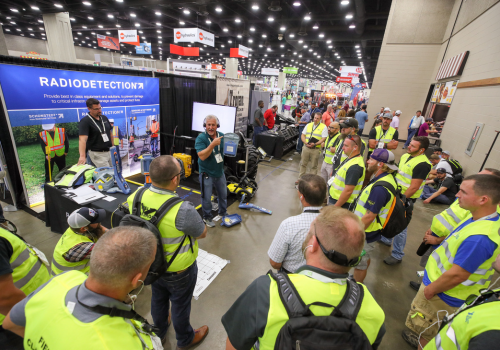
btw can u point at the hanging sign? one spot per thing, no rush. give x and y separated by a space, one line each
344 80
270 71
143 49
193 35
184 51
242 51
216 66
344 70
234 52
128 37
290 70
108 42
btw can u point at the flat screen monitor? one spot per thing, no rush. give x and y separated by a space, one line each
226 115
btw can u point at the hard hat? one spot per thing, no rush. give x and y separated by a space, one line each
154 118
48 126
104 178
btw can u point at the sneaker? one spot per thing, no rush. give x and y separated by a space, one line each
411 338
199 335
415 285
392 260
215 206
209 222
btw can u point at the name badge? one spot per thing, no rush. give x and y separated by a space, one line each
218 158
105 137
380 145
330 182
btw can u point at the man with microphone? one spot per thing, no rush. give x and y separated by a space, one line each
210 148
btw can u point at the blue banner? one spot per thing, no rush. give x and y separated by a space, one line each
357 88
144 49
33 95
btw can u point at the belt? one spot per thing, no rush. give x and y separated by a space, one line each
176 273
100 151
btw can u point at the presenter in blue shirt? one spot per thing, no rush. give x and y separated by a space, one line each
461 265
362 118
210 146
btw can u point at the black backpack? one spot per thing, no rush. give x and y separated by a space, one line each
456 168
160 264
305 331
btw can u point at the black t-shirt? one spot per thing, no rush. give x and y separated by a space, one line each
421 171
451 186
373 135
6 252
94 129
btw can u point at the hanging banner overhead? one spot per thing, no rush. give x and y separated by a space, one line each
344 80
344 70
234 52
290 70
196 35
243 51
216 66
128 37
143 49
235 93
108 42
270 71
184 51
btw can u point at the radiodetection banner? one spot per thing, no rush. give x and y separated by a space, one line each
50 100
235 93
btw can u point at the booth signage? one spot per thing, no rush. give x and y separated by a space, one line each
193 34
350 69
128 37
270 71
344 80
235 93
184 51
290 70
243 51
108 42
216 66
143 49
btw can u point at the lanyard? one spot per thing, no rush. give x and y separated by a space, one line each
102 121
313 128
328 140
218 146
321 278
382 134
346 160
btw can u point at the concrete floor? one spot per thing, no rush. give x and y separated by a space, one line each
246 247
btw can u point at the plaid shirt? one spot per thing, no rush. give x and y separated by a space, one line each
286 247
79 252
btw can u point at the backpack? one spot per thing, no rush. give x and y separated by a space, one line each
160 264
74 176
305 331
456 168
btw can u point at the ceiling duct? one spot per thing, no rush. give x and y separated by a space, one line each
302 31
275 6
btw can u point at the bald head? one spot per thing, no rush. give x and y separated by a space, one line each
163 169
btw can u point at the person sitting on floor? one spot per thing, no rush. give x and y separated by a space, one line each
445 190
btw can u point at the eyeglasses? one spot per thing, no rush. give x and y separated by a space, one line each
96 109
333 127
173 177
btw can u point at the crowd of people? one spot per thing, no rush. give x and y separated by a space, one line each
321 256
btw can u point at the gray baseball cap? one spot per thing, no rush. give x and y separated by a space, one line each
387 115
85 216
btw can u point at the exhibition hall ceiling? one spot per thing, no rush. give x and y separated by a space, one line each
317 36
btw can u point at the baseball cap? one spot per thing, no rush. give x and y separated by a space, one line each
387 115
447 152
428 120
441 170
85 216
349 123
438 149
48 126
398 112
387 109
111 120
384 156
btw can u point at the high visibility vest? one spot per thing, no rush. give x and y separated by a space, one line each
67 241
314 133
171 237
466 325
28 272
405 172
115 135
329 143
344 156
381 137
446 221
58 329
155 127
360 209
370 317
441 260
338 184
56 145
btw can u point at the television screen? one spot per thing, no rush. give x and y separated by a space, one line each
226 115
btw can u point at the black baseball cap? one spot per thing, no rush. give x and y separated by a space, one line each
441 170
85 216
349 123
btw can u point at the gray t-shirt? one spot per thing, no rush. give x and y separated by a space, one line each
258 114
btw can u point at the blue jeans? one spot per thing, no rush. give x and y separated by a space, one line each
257 130
429 191
154 144
300 144
177 289
206 193
398 244
411 133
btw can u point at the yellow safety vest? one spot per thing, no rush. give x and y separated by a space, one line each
446 221
329 143
171 237
370 317
468 324
56 145
314 133
116 138
28 271
344 156
381 137
51 325
360 205
67 241
441 260
338 184
404 175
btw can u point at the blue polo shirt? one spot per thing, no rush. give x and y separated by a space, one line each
210 165
473 251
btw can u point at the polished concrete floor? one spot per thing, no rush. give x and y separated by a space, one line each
246 246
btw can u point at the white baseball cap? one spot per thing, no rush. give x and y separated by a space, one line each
387 109
398 112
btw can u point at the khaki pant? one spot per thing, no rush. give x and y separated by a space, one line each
100 159
309 155
326 170
423 314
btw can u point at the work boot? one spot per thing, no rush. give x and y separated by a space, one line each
392 260
415 285
199 335
410 337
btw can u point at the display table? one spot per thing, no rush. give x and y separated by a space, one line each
276 145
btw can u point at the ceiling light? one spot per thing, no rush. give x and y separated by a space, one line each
137 25
352 26
41 28
186 11
35 8
307 17
132 15
292 35
158 23
344 2
181 23
158 13
322 35
118 26
315 26
252 29
237 20
208 21
239 35
305 46
111 16
255 7
296 3
260 45
90 18
160 42
30 29
357 46
282 28
58 6
18 29
349 16
100 26
140 31
218 9
330 46
270 19
250 40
